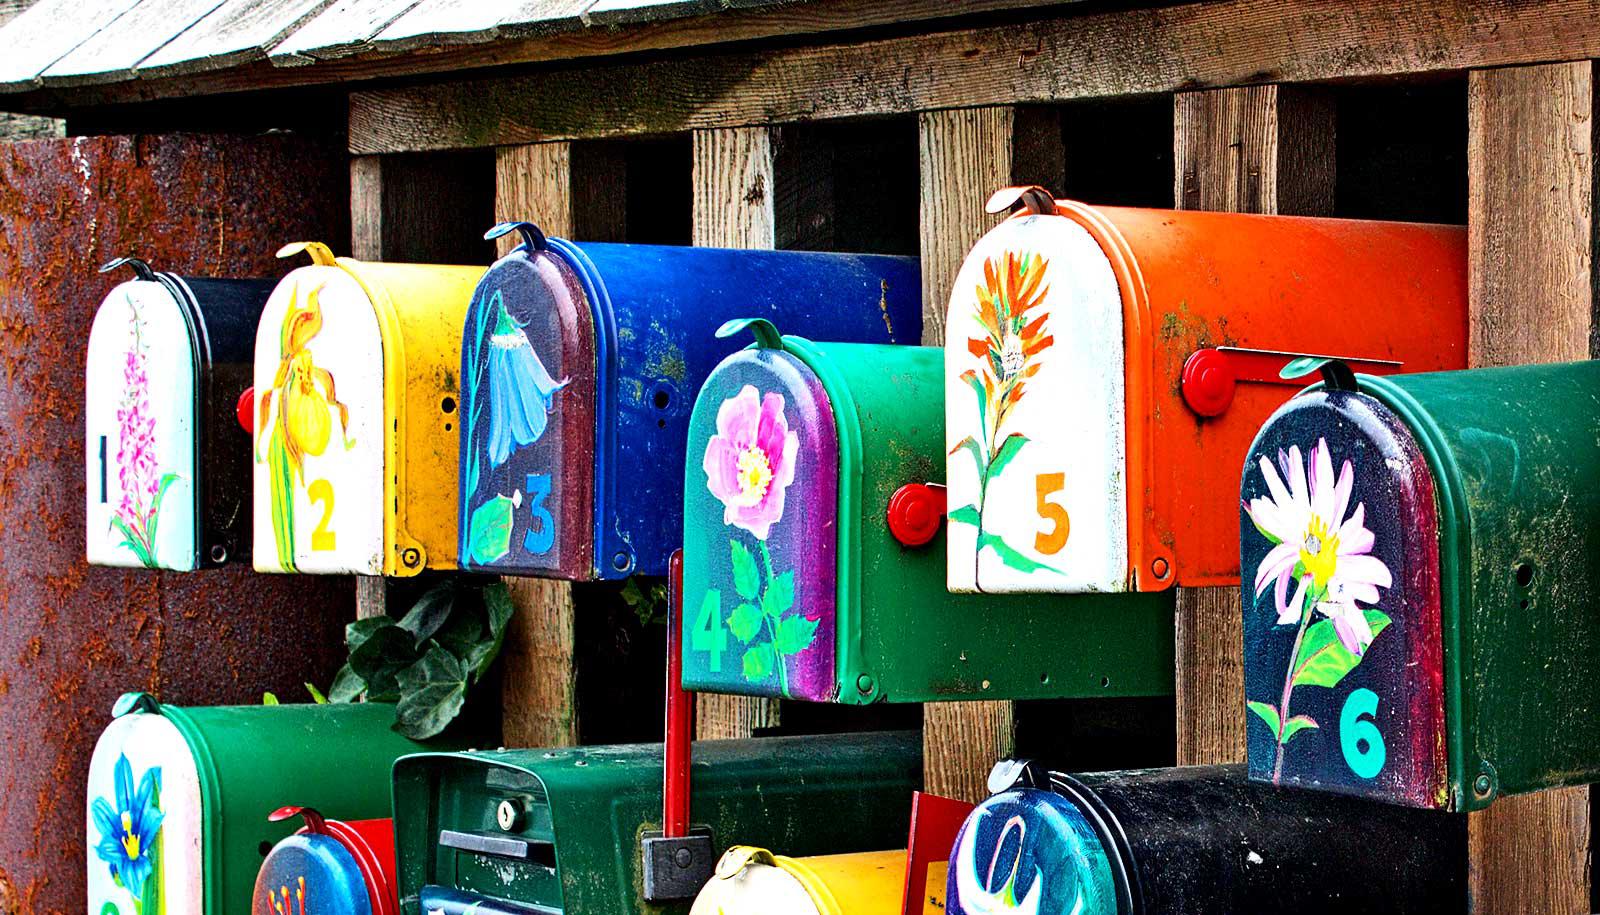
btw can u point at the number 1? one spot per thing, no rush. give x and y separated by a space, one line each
102 470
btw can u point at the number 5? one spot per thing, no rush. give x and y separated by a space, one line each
1050 542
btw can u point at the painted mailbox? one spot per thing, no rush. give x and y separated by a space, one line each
814 561
579 364
328 867
355 420
550 831
1420 553
1196 839
754 881
1105 367
166 474
179 797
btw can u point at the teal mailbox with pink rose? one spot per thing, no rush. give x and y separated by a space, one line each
814 547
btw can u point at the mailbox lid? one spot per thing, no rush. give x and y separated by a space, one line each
1342 603
761 532
528 370
1034 850
141 424
1034 373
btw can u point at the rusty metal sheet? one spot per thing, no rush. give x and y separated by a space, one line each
73 637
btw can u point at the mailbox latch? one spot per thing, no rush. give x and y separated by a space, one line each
676 867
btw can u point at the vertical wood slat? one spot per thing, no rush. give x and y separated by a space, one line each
366 243
1259 149
733 208
965 156
539 678
1531 237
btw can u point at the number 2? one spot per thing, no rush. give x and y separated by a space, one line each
322 539
542 535
707 633
1050 542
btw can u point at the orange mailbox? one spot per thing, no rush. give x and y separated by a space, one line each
1107 368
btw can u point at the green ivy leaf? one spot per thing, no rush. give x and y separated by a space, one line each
745 622
489 531
431 694
357 632
347 687
758 662
746 579
316 694
1267 714
1008 450
380 659
1323 659
966 514
779 596
269 698
795 634
1297 724
431 611
497 605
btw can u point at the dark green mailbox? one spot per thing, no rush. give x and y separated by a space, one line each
551 831
1421 556
814 552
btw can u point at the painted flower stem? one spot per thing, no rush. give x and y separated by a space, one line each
1288 688
771 622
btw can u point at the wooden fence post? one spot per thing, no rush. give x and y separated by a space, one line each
733 208
1260 149
1531 174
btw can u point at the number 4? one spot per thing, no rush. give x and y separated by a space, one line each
707 633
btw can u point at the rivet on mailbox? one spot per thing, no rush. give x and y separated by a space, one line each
1105 367
1421 554
167 472
579 364
355 441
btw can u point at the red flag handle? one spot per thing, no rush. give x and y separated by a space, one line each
680 712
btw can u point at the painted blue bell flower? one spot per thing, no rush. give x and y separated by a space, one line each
521 392
128 831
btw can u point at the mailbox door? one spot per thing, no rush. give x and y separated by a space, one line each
320 425
761 509
145 820
527 421
1035 414
1342 644
1031 850
311 873
140 427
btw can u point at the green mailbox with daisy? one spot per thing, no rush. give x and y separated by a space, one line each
1420 557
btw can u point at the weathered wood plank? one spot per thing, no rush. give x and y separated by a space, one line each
1130 52
1257 149
235 32
341 29
48 31
114 51
733 208
1530 235
965 156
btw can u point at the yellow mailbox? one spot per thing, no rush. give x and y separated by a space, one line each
355 439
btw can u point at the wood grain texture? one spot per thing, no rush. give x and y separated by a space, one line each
965 156
1256 149
35 39
534 183
236 32
113 51
1531 174
1180 48
733 208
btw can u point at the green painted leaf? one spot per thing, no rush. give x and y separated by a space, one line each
167 479
779 596
316 694
489 531
746 578
1267 713
983 404
347 687
758 662
966 514
431 611
1323 659
1008 450
1297 724
745 622
1010 556
970 445
795 634
431 694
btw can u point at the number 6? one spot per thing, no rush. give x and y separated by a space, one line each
1355 728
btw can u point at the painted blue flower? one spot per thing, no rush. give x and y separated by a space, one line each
521 392
128 831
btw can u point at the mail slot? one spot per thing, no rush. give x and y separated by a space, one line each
579 367
355 419
1197 839
167 475
814 552
754 881
179 797
550 831
330 867
1421 554
1105 368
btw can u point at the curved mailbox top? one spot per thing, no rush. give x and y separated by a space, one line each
165 473
1031 850
1105 367
582 361
355 423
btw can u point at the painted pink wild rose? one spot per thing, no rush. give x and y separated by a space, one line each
750 461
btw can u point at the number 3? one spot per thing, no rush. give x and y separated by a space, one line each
542 535
1050 542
